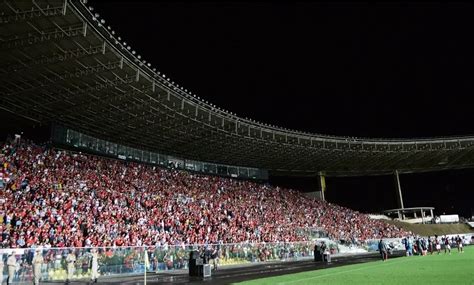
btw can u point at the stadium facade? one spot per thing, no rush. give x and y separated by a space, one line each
62 65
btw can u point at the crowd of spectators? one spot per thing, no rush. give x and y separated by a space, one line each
58 198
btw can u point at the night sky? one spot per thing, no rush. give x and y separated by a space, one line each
367 70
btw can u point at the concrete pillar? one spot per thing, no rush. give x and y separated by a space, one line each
322 184
398 190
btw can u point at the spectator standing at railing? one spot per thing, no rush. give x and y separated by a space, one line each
70 261
37 263
11 263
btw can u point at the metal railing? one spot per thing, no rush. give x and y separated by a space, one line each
120 261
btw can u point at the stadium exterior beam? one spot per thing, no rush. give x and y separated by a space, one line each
398 190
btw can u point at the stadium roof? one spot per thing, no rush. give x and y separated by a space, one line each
61 63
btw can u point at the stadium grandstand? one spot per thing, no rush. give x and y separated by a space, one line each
139 172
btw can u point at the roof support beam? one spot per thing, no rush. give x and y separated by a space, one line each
52 59
29 40
30 14
78 73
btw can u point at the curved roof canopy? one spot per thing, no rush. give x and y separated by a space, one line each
61 63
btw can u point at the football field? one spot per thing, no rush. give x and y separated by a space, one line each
457 268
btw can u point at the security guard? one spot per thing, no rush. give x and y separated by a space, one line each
37 263
70 260
11 263
95 265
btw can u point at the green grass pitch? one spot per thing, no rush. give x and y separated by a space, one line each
443 269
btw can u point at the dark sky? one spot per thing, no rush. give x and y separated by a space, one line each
371 70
